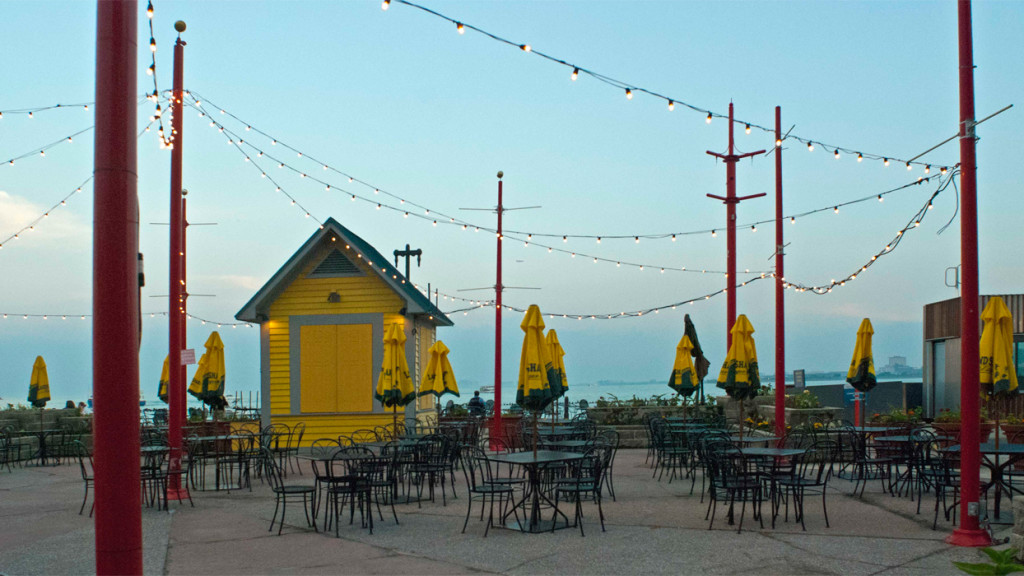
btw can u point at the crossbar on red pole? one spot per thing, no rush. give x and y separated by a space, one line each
115 294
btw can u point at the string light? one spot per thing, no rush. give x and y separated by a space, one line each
460 28
708 119
914 222
513 233
591 316
671 105
459 222
629 94
604 78
575 74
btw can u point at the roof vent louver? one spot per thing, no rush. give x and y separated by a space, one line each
336 264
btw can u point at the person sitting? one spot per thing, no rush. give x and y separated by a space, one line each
476 404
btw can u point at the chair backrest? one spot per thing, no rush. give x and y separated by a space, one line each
817 462
475 466
356 451
364 435
272 469
432 449
84 460
295 439
323 447
275 436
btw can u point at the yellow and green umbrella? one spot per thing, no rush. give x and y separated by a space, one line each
394 385
208 382
739 376
684 374
438 379
165 379
536 371
998 377
560 385
996 350
39 384
862 367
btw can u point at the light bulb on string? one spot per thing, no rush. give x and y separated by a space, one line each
810 146
927 168
575 74
747 129
909 167
460 28
778 142
836 154
713 234
385 4
836 210
629 94
525 47
880 198
708 119
885 161
671 105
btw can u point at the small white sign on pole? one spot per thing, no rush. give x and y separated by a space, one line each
188 357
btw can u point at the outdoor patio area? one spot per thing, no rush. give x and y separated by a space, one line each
654 527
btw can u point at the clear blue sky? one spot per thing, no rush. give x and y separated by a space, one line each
400 100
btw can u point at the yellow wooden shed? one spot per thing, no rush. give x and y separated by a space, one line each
322 321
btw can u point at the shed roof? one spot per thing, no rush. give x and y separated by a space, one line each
258 307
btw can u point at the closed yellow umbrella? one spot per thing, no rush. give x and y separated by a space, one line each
684 374
536 372
39 388
862 367
998 376
39 384
208 382
439 378
394 385
561 385
739 376
165 379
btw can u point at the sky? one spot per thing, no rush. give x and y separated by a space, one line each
404 104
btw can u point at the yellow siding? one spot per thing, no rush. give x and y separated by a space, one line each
366 294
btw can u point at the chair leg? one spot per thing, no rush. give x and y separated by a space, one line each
469 509
277 504
84 499
824 504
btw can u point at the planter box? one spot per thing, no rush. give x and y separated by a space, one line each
797 417
952 430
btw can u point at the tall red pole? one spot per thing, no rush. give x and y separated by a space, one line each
780 290
176 317
731 200
115 294
969 533
497 427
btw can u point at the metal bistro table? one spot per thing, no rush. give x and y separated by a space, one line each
777 455
329 476
532 463
218 450
997 470
568 445
41 435
747 440
548 432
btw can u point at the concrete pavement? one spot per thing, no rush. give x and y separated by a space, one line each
653 528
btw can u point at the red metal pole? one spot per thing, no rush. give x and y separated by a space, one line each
176 318
497 427
731 200
780 291
969 533
115 293
730 243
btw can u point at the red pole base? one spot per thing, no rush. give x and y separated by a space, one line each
969 538
177 493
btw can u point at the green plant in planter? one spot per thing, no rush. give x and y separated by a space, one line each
947 416
804 400
1003 562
